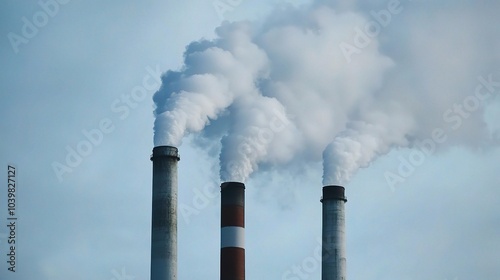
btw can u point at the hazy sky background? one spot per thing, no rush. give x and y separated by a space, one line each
442 222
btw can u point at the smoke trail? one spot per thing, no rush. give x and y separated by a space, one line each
261 133
280 91
363 141
214 75
255 75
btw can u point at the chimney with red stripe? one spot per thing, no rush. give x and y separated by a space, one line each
232 252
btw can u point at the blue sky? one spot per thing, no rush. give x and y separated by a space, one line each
77 73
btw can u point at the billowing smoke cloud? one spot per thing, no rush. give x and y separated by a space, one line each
283 89
363 141
216 73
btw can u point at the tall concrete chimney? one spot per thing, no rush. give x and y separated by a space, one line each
232 252
333 265
164 216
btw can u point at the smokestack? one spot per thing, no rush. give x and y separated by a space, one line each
164 216
232 252
333 266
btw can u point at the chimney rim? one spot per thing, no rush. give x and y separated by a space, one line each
165 151
333 192
232 184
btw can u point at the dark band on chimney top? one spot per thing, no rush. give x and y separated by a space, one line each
334 193
165 151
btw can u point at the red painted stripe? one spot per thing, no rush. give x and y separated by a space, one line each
232 216
232 264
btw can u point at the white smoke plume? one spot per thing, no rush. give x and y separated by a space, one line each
281 90
363 141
